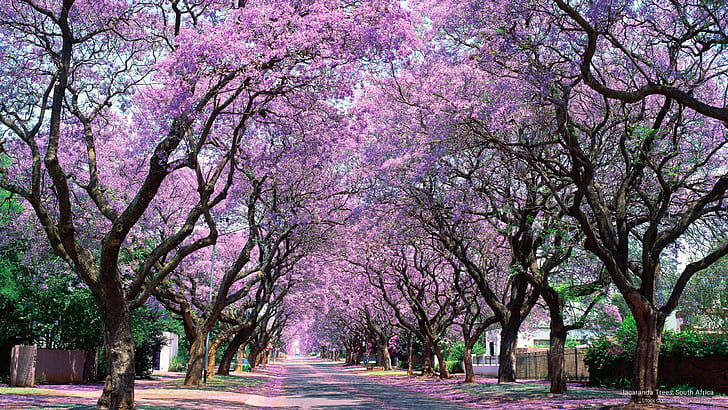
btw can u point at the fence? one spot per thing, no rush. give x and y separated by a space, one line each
30 365
485 360
65 366
534 364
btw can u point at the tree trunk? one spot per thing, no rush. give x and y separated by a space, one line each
254 356
196 365
227 357
557 339
410 356
241 357
427 360
468 363
507 356
118 390
212 352
444 373
383 358
649 340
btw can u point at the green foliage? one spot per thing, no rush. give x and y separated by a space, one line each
455 353
178 364
705 301
147 328
572 343
690 343
51 309
454 366
608 357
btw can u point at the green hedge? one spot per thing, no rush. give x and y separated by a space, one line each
610 358
454 367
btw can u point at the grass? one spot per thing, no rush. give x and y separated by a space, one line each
388 373
227 383
531 391
25 390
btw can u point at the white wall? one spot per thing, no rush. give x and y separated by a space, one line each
169 351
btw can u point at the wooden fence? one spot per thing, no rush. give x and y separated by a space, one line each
535 365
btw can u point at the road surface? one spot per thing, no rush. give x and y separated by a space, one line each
310 384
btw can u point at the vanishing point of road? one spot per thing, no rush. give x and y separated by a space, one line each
310 384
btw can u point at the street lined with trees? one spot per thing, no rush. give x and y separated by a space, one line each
367 180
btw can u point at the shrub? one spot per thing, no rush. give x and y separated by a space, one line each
690 343
457 351
148 338
454 366
610 358
607 360
177 364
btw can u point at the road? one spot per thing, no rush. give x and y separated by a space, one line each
310 384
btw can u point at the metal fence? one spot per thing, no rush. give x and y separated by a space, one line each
485 360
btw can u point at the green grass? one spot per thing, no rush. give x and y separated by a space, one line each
224 383
24 390
515 391
388 372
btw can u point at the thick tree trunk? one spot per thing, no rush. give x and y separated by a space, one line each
196 365
557 339
211 353
383 358
226 361
507 356
427 369
444 373
254 356
118 390
227 357
468 363
649 340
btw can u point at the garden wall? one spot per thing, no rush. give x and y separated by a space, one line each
65 366
707 372
30 365
710 372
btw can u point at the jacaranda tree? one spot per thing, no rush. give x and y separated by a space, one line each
106 102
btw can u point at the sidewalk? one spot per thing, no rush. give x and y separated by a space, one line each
315 383
486 393
163 392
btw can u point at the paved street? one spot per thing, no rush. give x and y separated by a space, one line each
312 385
296 383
